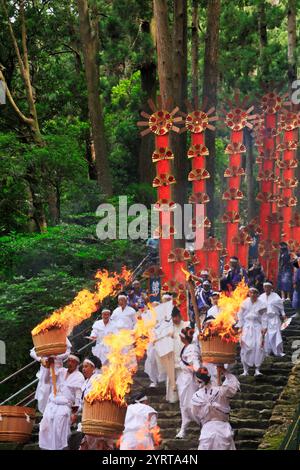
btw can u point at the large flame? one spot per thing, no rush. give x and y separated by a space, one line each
142 433
229 306
125 348
85 302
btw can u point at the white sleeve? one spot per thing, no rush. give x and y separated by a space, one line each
240 316
152 420
193 358
34 355
230 386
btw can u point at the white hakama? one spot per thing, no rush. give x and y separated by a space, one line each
186 384
139 421
252 320
211 408
55 425
275 310
43 389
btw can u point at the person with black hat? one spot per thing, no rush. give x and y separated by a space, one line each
186 385
296 293
210 407
55 425
140 425
253 327
274 313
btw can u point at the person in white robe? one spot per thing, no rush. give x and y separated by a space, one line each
55 425
124 316
169 346
161 344
186 383
140 426
211 407
153 367
91 369
275 312
210 315
43 389
253 326
101 328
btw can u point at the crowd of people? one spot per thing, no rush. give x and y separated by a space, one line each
174 358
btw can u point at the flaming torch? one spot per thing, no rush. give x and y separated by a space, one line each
49 337
105 405
219 337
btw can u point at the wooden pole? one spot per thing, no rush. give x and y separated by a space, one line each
53 378
191 289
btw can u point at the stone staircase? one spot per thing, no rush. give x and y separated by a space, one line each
251 408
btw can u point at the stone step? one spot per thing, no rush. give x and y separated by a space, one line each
238 423
242 433
246 413
247 444
249 404
179 444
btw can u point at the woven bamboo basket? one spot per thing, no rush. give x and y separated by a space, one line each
16 423
50 342
217 351
103 418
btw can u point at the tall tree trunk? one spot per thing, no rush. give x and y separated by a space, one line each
90 156
249 175
54 204
164 46
148 83
180 96
195 49
210 84
89 34
36 211
292 43
263 40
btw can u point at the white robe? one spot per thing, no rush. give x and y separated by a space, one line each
275 309
55 425
43 389
124 319
186 384
211 408
252 320
100 331
139 421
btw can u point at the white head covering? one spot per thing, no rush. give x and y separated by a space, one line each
89 362
73 356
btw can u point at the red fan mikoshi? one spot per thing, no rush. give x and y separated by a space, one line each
103 418
50 342
16 423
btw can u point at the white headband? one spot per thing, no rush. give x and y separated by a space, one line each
89 362
233 259
105 310
253 289
144 398
76 358
122 296
268 284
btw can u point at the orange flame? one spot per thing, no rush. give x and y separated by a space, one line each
186 273
85 302
229 306
125 348
140 438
